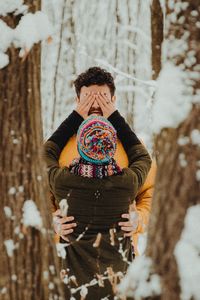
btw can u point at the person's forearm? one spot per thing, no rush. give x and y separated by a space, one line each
124 132
66 130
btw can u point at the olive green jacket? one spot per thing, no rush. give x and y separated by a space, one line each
125 185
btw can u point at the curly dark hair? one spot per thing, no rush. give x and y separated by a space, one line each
94 75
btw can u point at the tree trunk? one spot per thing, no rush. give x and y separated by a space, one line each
156 36
30 271
177 186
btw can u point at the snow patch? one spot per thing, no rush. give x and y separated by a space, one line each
31 215
10 247
182 160
51 285
172 104
32 28
8 211
60 247
12 190
83 292
195 136
187 253
14 277
63 207
9 6
4 60
139 281
3 290
6 36
183 140
198 175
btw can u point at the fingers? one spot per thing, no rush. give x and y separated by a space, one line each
68 226
125 216
65 232
65 238
65 219
89 103
103 101
64 229
102 106
125 224
84 106
127 228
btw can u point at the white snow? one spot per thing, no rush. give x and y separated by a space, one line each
139 281
83 291
3 290
183 140
8 211
46 275
12 190
15 141
195 136
21 188
39 177
10 247
172 104
6 34
4 60
51 285
187 253
134 219
63 207
32 28
52 269
198 175
9 6
31 215
61 250
182 160
142 243
14 277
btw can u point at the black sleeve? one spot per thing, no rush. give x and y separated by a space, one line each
66 130
124 132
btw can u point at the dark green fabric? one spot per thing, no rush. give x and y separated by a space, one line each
97 205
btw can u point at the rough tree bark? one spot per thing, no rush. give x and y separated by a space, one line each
177 187
156 36
32 271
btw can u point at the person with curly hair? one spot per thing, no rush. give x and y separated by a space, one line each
95 90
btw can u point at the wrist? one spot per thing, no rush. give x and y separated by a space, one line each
79 114
114 114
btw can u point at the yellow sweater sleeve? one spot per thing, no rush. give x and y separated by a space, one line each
144 199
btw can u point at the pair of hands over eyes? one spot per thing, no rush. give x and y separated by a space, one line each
64 225
106 105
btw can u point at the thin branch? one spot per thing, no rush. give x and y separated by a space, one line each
57 65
